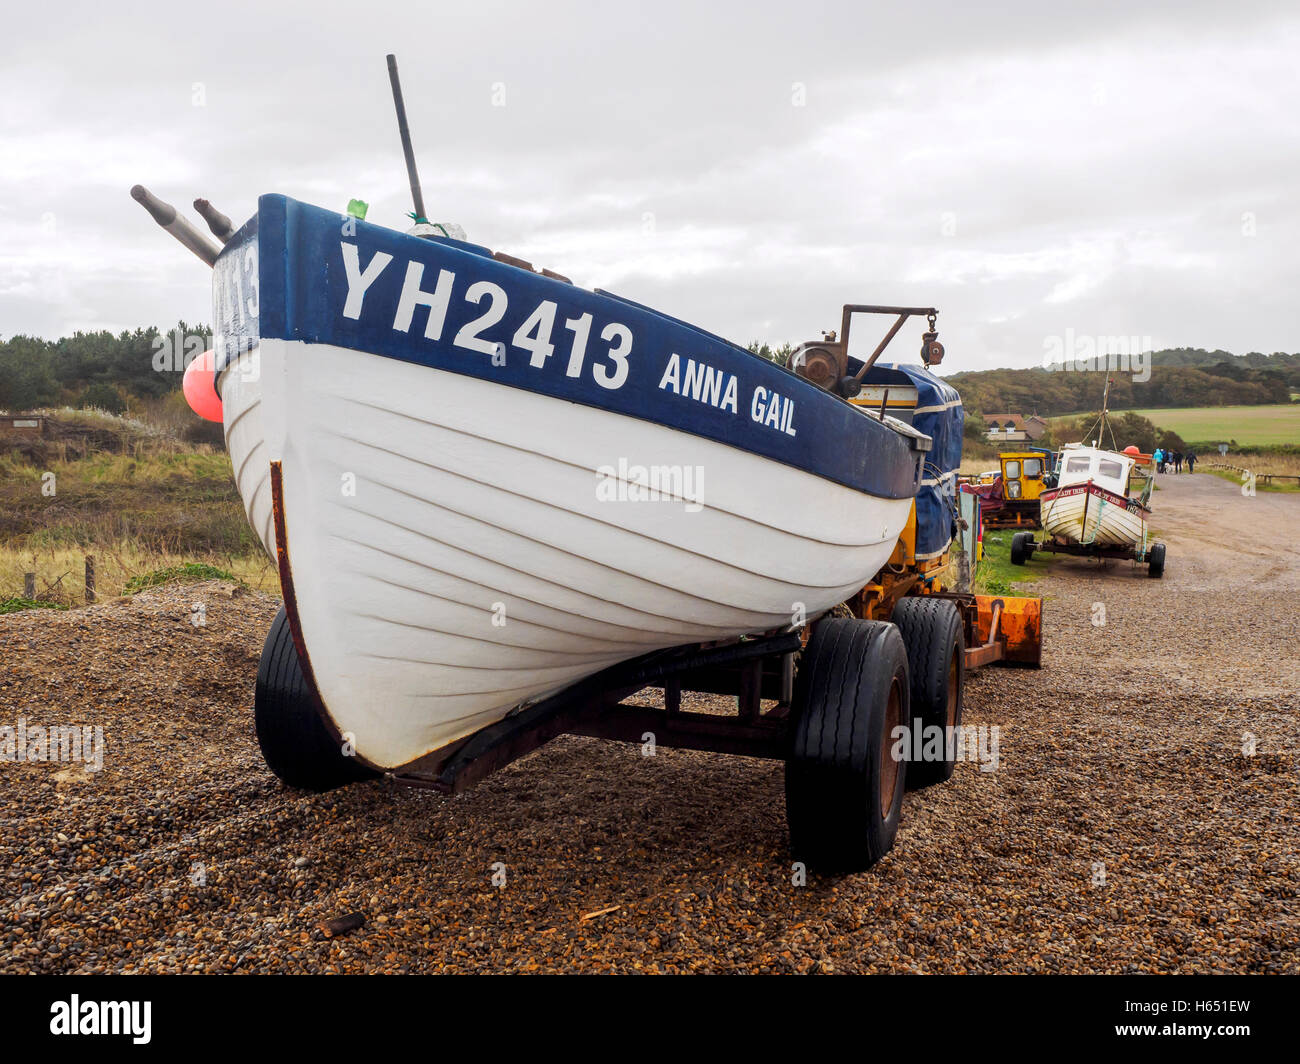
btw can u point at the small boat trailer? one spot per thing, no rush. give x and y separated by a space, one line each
1024 546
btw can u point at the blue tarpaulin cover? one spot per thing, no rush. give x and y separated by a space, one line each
939 415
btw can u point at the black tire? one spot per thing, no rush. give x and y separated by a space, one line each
1156 561
296 744
1018 556
843 786
935 639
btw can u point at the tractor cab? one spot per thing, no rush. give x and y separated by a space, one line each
1023 473
1011 500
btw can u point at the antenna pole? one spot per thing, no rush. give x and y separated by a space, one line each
405 131
1105 410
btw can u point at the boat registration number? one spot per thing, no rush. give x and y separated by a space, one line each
606 359
599 350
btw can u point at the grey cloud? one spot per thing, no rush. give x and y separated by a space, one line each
1027 169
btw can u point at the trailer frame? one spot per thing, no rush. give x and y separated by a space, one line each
1134 553
1149 552
753 670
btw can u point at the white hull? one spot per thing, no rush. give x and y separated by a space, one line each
453 555
241 409
1091 517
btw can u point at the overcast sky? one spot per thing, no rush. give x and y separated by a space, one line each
1114 169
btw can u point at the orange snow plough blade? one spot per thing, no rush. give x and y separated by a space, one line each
1009 631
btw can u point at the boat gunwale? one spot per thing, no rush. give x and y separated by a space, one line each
884 462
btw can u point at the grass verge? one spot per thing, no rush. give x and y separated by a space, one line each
14 605
997 576
122 567
147 516
185 573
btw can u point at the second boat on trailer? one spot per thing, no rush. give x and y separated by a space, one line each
1098 505
1091 502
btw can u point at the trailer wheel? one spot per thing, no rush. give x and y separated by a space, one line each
295 743
935 639
1156 561
843 784
1019 555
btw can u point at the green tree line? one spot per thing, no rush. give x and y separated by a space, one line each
105 370
97 369
1183 377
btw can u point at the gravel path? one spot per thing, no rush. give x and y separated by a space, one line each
1124 829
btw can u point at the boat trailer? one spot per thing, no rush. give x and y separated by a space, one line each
753 670
1024 546
836 700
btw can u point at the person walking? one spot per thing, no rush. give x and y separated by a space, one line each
1158 456
1178 461
1191 461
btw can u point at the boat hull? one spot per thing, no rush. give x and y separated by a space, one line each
241 410
460 534
1089 515
442 576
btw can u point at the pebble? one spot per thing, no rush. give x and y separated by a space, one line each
1125 830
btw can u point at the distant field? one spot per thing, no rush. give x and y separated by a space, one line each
1250 426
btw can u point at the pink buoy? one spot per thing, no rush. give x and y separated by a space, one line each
200 387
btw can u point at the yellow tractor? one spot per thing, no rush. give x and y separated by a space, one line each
1014 501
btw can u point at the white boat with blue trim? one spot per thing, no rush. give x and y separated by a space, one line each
483 483
501 506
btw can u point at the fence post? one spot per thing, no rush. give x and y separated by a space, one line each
29 586
90 578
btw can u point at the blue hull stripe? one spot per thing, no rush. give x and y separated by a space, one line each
297 272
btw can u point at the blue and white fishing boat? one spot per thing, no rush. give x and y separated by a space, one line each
484 483
502 506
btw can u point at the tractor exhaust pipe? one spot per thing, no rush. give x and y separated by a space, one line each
166 216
